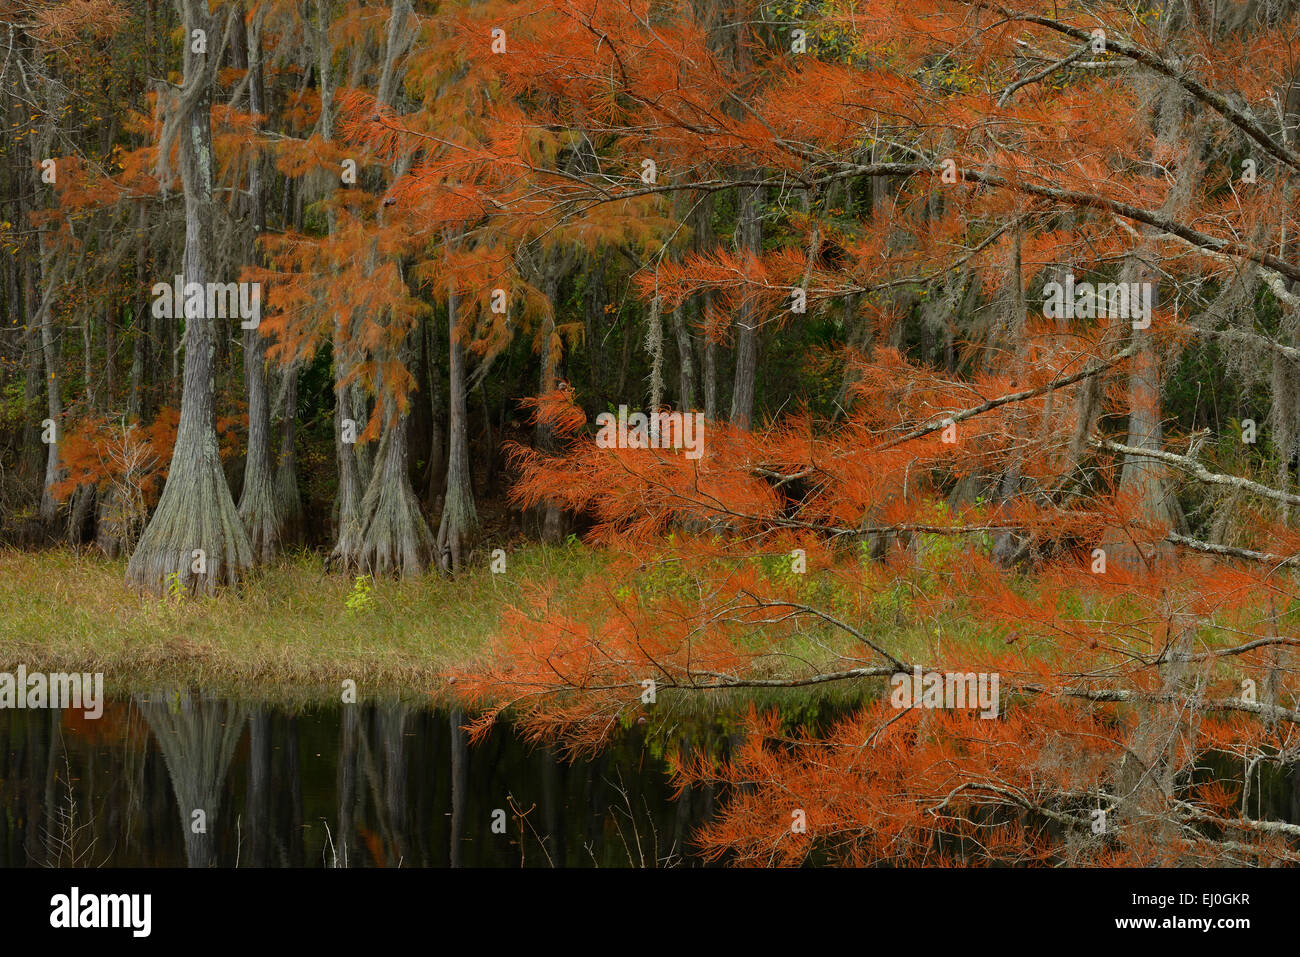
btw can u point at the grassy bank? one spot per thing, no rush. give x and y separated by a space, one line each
290 633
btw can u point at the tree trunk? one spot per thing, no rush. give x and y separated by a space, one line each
88 360
459 516
550 518
594 303
436 469
348 528
196 534
347 421
293 529
110 356
702 227
394 536
749 239
79 516
54 407
258 503
364 453
685 360
710 378
1141 479
30 470
1006 545
46 280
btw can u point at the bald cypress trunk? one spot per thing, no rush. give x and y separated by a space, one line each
293 529
30 465
195 534
1142 480
394 536
364 453
109 396
749 239
459 516
49 506
47 281
702 218
348 503
550 518
685 360
347 424
436 470
685 347
710 379
136 404
259 506
1006 547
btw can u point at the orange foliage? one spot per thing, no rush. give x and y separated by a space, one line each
962 521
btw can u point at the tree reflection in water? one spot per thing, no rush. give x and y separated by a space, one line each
368 785
197 734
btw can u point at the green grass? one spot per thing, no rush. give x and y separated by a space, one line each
287 634
292 633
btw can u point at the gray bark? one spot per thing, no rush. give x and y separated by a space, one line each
259 505
34 358
436 472
1141 476
459 515
685 360
551 519
749 239
394 536
293 530
348 529
196 513
347 419
49 506
48 279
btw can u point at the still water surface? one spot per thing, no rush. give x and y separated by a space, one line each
203 781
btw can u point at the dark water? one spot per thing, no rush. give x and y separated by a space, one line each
384 785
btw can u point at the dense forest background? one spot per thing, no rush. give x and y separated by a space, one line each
82 348
96 207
